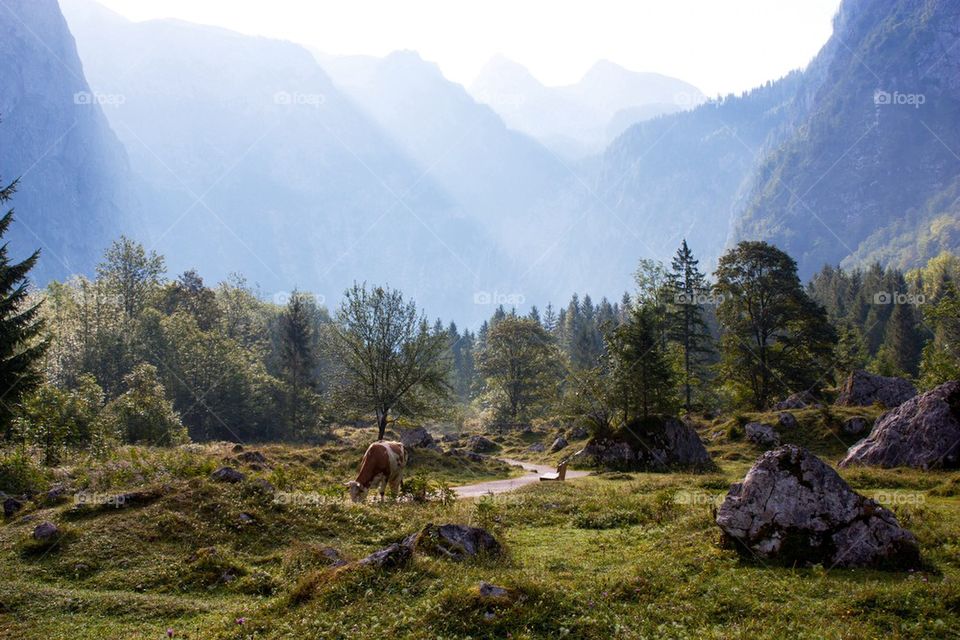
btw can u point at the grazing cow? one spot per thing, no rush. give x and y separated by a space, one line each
382 464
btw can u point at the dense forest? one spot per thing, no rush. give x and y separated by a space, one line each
134 356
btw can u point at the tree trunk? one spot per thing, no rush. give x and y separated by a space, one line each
381 424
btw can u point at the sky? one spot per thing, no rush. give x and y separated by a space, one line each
720 46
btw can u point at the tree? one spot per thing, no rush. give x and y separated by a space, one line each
297 357
143 412
685 323
390 360
131 274
520 366
21 347
941 356
899 355
641 371
775 338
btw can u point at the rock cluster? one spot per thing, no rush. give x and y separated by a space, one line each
863 389
661 446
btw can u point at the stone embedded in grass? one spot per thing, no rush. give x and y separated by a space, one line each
761 434
417 438
799 400
396 555
794 509
862 389
45 531
454 541
488 590
923 432
559 444
856 426
537 447
11 506
252 458
786 420
481 444
578 433
227 474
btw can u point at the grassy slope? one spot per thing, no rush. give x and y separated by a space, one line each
615 555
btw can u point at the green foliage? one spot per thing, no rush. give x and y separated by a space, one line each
20 473
144 414
642 377
776 340
21 346
941 356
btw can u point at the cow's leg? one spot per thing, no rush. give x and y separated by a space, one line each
396 484
383 488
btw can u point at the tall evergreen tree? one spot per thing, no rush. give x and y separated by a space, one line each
685 323
297 359
642 374
21 348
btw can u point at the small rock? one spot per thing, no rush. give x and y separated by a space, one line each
390 557
787 420
417 438
454 541
761 434
449 437
264 486
252 457
537 447
227 474
11 506
481 444
237 448
856 426
488 590
558 444
45 531
246 518
577 433
799 400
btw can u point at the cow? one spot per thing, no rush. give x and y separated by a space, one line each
382 464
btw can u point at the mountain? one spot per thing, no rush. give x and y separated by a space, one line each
74 193
497 175
582 118
872 167
254 161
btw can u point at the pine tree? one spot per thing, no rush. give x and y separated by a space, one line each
902 343
21 348
643 377
685 323
297 358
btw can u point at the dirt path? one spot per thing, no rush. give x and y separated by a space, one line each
533 474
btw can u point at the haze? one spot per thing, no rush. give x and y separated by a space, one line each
721 48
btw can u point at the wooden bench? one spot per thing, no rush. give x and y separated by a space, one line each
558 476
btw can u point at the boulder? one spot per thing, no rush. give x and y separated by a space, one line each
237 448
923 432
655 445
11 506
450 437
537 447
558 444
45 531
793 508
263 486
856 426
863 389
252 458
417 438
761 434
396 555
786 420
454 541
481 444
227 474
799 400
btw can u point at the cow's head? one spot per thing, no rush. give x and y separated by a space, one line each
358 492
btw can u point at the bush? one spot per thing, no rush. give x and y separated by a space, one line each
20 473
143 412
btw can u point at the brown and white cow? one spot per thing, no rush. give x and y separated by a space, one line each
382 464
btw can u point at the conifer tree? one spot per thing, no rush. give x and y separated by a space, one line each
297 358
21 348
685 323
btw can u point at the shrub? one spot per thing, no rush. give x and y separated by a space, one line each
20 473
143 412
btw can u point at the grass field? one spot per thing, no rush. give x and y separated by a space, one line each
613 555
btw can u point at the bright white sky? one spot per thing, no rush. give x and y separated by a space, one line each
721 46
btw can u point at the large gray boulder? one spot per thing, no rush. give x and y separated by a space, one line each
923 432
794 509
558 444
863 389
654 446
454 541
417 438
481 444
799 400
